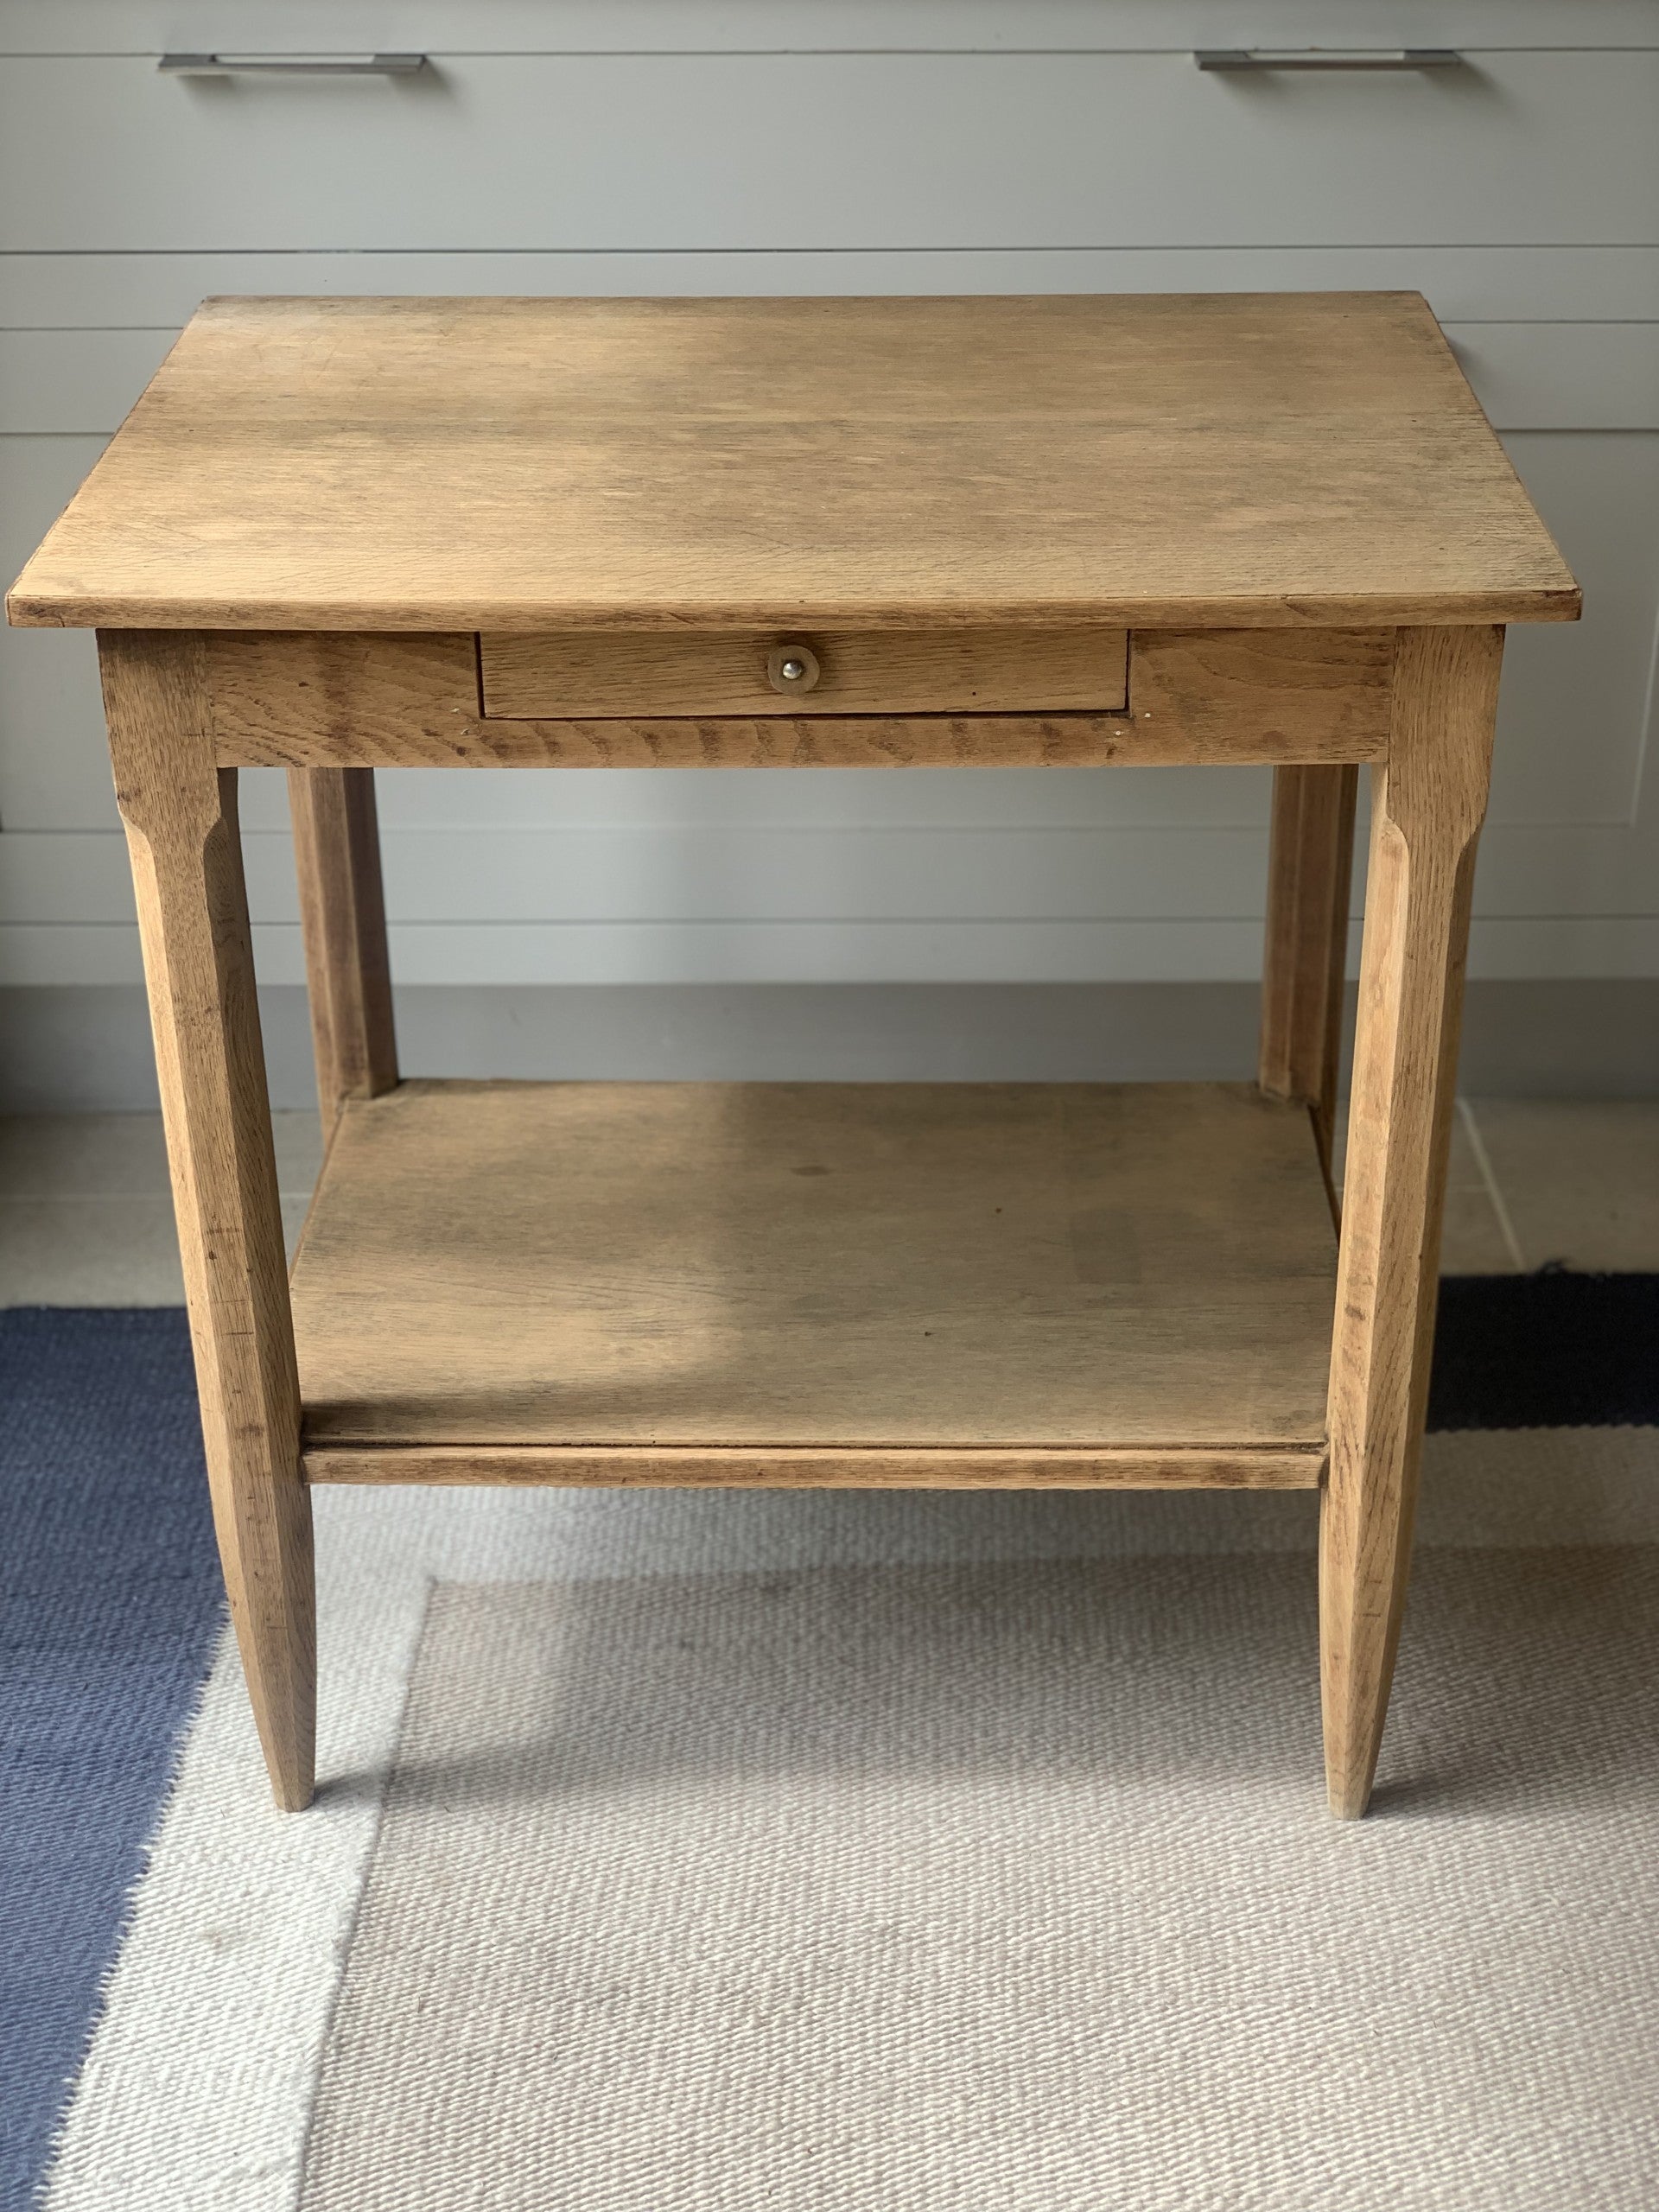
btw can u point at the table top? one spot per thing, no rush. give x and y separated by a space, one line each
1233 460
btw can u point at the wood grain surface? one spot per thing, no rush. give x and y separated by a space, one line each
819 1267
1427 809
1222 460
1278 696
180 813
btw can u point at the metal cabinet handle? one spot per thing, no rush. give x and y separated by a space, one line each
284 65
1409 57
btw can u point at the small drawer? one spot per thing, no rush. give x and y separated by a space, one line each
581 675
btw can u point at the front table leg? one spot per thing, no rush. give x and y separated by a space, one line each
179 812
1426 805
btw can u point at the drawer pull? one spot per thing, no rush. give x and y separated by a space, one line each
792 667
291 65
1237 59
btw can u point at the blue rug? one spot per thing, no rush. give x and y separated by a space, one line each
110 1604
1549 1350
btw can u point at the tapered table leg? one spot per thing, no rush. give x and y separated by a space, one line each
179 812
342 911
1426 805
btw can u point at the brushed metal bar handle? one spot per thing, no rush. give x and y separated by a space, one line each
1237 59
285 65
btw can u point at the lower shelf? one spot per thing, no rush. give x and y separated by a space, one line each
898 1284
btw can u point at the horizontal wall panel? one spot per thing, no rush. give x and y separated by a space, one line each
74 382
1523 950
483 955
1529 376
1575 709
800 150
1562 376
761 877
710 952
88 1051
764 875
1567 872
54 765
714 26
685 800
1527 283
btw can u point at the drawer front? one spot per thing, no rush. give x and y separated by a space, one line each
587 676
757 152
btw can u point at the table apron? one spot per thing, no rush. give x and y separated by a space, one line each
341 699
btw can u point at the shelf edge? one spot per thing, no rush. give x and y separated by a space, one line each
1297 1466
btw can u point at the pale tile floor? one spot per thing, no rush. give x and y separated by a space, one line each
85 1218
1534 1181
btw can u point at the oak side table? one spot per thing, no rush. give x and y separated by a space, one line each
344 534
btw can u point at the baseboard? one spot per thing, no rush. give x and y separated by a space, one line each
87 1049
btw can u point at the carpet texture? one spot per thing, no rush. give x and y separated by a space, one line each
200 1962
110 1607
862 1888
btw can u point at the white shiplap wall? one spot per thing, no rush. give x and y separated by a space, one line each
849 146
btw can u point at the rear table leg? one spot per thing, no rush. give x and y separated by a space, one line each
1310 866
342 911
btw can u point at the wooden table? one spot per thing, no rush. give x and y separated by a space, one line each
341 535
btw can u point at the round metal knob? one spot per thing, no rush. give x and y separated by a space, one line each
791 667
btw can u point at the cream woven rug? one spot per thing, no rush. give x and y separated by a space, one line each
1005 1886
827 1853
